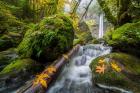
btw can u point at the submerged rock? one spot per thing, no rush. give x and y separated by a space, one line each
129 76
49 39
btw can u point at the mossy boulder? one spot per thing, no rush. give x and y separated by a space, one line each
98 41
128 75
125 38
17 72
52 37
6 57
83 38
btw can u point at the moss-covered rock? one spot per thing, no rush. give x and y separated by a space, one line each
17 72
6 57
83 38
125 38
49 39
98 41
11 29
20 65
127 77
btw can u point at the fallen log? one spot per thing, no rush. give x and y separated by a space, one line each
40 83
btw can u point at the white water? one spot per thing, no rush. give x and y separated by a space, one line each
76 76
101 25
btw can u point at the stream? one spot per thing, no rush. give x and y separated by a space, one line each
76 76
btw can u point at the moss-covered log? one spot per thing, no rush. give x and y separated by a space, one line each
30 88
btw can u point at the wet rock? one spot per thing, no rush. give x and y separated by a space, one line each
127 78
6 57
83 60
17 72
125 38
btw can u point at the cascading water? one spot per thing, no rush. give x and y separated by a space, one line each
101 25
76 76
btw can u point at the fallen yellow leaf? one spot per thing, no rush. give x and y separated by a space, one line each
101 61
42 78
115 67
43 83
51 70
100 69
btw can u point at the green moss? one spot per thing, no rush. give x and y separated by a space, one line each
83 38
6 57
128 78
21 65
125 38
50 38
10 26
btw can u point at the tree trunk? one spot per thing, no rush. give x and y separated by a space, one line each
86 10
107 12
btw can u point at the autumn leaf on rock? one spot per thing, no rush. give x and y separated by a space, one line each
101 61
115 67
100 69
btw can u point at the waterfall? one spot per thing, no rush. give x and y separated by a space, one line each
101 25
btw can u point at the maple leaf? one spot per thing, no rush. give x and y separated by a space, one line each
115 67
101 61
42 78
43 83
100 69
51 70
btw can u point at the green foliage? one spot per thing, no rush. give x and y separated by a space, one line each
18 66
7 20
6 57
119 12
51 37
108 13
11 29
83 38
125 38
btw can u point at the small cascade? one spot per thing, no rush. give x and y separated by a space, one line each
101 25
76 76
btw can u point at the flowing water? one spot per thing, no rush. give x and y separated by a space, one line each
76 76
101 25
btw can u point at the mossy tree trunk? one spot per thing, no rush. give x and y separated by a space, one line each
123 15
107 12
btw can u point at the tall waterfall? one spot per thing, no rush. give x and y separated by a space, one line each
101 25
